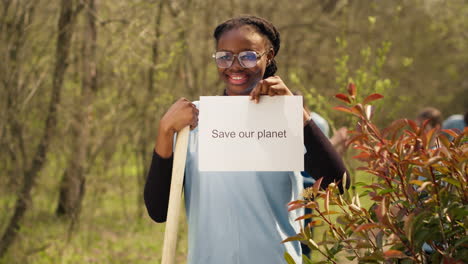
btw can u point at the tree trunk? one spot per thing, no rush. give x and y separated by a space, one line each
72 187
147 123
13 30
23 201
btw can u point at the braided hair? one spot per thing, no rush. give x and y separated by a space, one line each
262 26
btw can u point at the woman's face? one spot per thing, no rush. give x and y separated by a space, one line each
240 80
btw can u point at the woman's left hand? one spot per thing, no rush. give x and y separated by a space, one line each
274 86
270 86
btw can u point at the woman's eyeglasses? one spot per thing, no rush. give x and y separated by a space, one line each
247 59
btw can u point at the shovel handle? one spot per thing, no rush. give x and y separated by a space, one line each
175 197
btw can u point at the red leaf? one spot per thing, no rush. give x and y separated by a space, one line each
394 127
311 205
316 186
295 202
412 124
381 211
372 97
392 253
306 216
357 110
352 89
366 226
345 109
362 155
315 223
294 207
443 138
451 132
343 98
356 138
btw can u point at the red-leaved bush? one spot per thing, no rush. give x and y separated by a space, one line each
418 210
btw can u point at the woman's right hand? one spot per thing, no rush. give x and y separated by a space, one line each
181 114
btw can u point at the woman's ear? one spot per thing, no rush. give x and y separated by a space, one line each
270 56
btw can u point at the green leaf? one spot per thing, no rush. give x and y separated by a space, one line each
306 216
288 258
416 182
330 213
460 212
307 231
297 237
460 242
408 226
389 190
379 239
306 260
452 181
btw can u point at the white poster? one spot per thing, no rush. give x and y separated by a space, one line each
236 134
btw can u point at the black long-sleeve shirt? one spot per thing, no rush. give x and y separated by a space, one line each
321 160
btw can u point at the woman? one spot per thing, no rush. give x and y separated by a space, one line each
238 217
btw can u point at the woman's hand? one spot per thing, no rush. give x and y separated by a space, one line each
274 86
181 114
270 86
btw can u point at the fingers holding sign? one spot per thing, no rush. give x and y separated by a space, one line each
270 86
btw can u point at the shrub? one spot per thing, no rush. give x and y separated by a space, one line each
418 200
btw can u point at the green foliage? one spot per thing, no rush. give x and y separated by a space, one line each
313 100
369 76
419 210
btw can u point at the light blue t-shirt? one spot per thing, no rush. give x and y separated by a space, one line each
454 121
239 217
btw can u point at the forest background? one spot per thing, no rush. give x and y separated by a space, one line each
83 84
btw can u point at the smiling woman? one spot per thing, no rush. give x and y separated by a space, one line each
254 47
239 217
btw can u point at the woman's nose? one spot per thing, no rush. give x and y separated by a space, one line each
236 63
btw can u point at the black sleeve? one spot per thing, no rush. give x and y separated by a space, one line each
157 187
321 159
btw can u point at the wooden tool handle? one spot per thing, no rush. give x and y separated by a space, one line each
175 197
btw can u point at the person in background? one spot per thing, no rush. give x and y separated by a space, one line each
432 114
456 122
435 120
